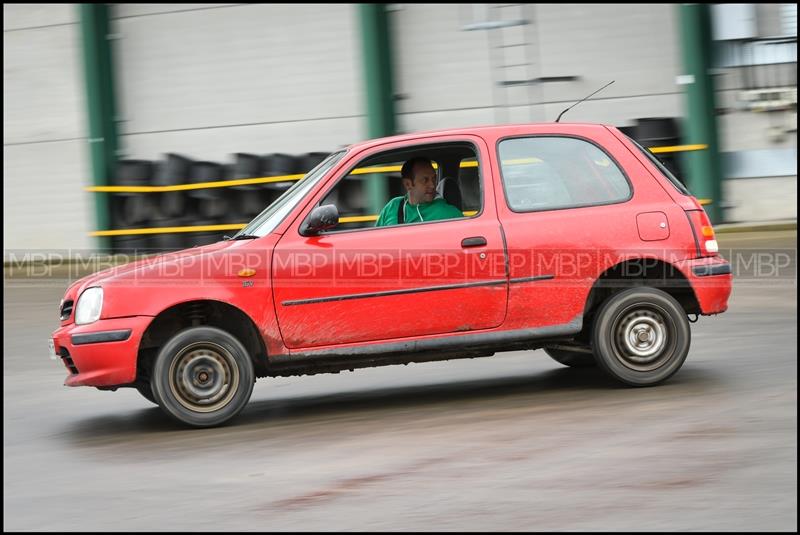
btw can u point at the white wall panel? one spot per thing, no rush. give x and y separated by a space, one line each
45 157
638 45
43 94
239 65
44 204
217 144
138 10
438 65
760 199
20 16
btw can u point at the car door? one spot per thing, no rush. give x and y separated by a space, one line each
377 284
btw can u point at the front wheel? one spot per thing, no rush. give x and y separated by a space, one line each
203 376
641 336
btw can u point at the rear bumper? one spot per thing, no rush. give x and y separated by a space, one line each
712 281
103 353
712 270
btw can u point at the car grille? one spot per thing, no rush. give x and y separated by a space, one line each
67 360
66 310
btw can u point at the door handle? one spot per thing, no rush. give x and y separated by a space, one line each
475 241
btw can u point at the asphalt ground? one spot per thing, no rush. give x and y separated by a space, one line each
510 442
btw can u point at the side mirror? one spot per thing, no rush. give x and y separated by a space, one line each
321 218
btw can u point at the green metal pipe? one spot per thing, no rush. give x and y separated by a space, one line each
377 57
100 103
704 167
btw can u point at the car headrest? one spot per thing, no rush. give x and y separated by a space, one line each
450 191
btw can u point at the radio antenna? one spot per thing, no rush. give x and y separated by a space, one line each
565 111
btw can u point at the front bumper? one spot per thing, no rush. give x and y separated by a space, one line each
712 281
102 353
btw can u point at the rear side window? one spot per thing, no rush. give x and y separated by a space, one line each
547 173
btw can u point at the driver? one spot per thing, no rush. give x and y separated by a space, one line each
420 202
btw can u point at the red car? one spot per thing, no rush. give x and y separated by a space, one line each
573 239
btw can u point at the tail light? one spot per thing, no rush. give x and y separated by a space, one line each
703 233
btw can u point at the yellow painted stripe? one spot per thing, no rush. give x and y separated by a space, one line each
363 218
167 230
704 201
358 218
384 169
199 185
677 148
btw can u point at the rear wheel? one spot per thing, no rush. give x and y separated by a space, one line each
641 336
203 376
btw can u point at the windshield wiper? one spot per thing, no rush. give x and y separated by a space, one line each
241 237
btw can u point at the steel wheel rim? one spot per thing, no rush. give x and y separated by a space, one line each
204 377
644 337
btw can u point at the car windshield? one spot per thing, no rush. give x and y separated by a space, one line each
266 221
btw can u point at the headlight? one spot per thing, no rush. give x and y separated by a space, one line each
89 306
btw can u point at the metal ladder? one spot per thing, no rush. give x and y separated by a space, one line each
509 28
512 38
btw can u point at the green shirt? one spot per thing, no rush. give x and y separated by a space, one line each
432 211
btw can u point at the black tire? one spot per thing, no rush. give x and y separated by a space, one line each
137 209
205 172
206 355
641 336
173 170
573 359
173 203
135 244
146 392
310 160
133 173
198 239
281 164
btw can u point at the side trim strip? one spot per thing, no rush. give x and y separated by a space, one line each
106 336
346 297
414 290
713 269
531 279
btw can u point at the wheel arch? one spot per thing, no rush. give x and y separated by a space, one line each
204 312
646 272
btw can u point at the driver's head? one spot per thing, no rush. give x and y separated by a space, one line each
419 179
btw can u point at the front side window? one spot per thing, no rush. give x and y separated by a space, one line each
445 185
548 173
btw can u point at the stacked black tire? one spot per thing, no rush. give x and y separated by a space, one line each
195 207
131 210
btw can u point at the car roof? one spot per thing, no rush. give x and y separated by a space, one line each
485 129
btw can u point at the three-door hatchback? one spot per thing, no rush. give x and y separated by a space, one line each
566 237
